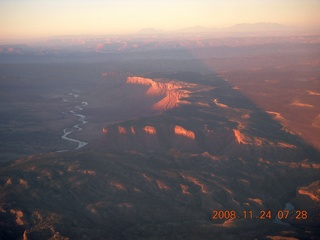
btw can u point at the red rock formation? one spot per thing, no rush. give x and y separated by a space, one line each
132 130
170 92
307 200
239 136
118 186
220 104
162 185
122 130
150 130
256 200
19 216
195 181
300 104
185 189
178 130
104 130
312 191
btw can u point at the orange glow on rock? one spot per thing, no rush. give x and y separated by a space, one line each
285 145
220 104
104 130
196 182
23 182
178 130
137 190
256 200
310 194
150 130
239 136
122 130
315 166
277 116
185 189
9 182
19 215
313 93
228 223
208 155
170 91
161 185
299 104
117 185
132 130
147 177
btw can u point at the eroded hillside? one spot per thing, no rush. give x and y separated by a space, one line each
171 92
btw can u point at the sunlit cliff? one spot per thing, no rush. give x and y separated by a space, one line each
184 132
170 92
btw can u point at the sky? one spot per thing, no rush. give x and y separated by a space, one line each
27 19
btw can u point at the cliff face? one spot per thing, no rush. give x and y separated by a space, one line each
225 141
149 137
170 92
178 130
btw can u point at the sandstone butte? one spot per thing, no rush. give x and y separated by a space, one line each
170 92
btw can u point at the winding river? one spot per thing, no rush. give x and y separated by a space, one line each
81 120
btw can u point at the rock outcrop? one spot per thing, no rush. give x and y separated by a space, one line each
170 92
178 130
307 199
149 137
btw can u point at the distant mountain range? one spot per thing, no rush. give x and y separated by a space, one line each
150 31
197 28
256 27
242 27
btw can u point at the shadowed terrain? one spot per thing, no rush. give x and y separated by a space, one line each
162 176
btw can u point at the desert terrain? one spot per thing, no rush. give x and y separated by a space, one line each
148 139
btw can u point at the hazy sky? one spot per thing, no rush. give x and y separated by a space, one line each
39 18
